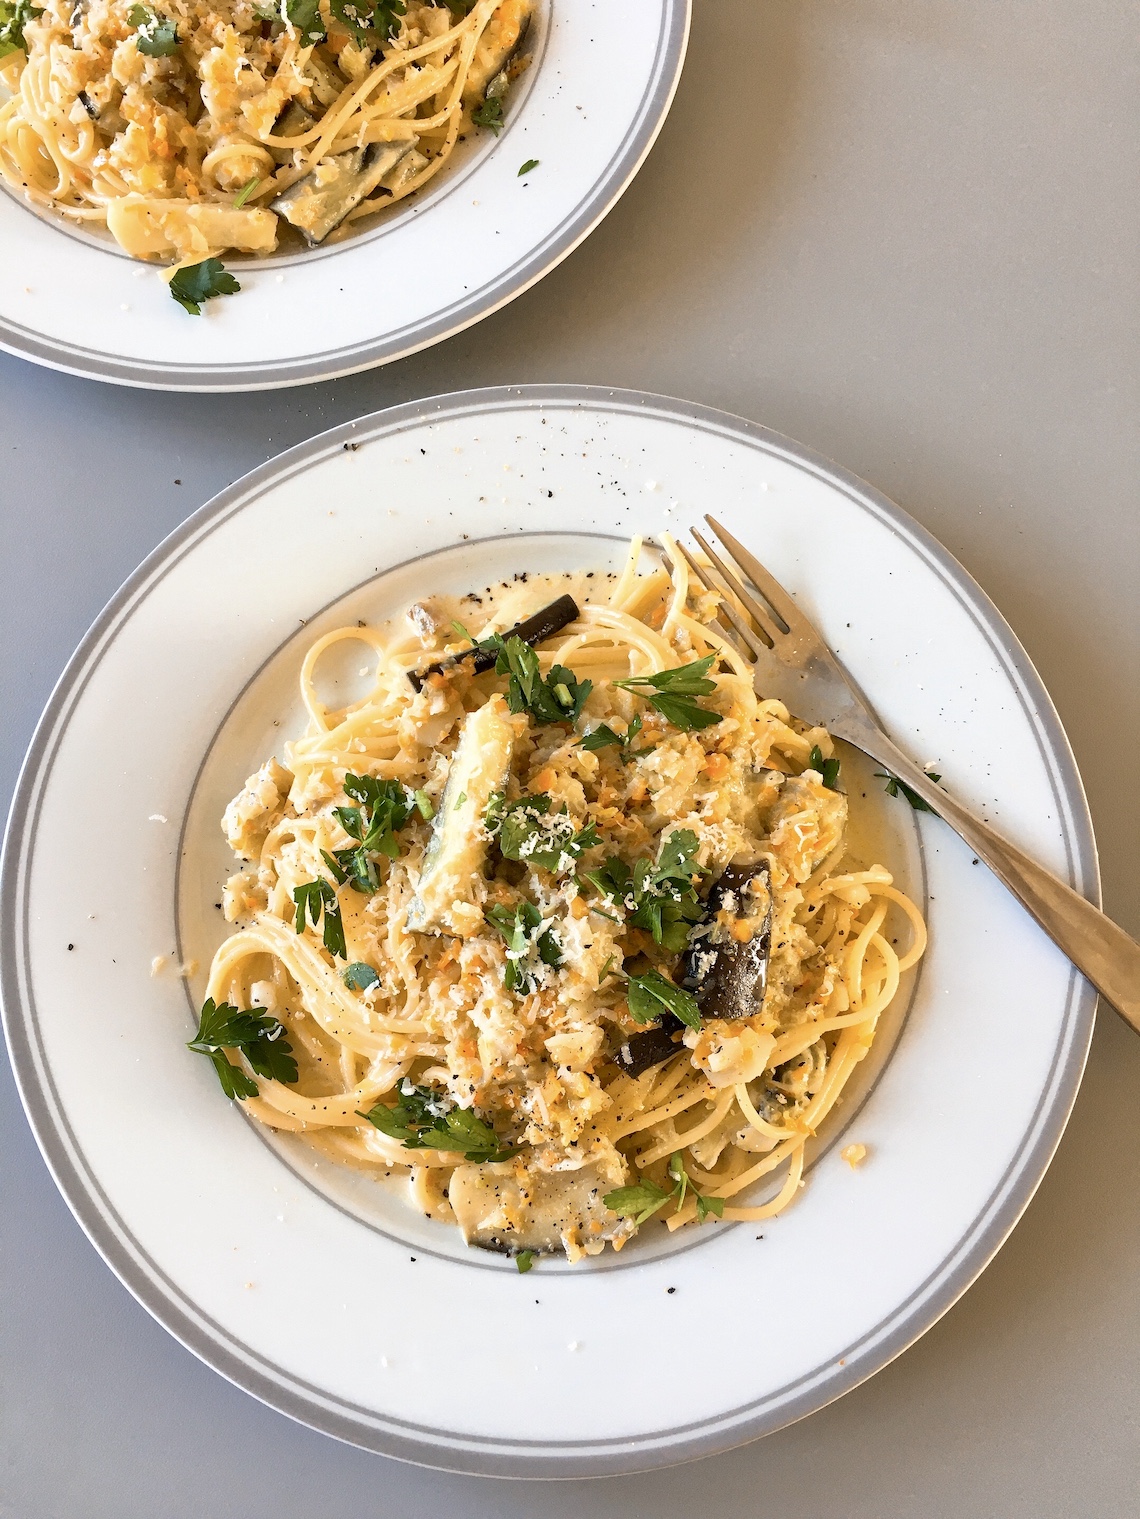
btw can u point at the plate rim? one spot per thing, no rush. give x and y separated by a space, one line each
624 165
484 1455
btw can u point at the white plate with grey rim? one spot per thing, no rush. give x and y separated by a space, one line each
589 109
324 1295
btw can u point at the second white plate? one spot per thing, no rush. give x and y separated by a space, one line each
589 109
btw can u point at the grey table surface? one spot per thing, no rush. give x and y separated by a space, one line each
903 232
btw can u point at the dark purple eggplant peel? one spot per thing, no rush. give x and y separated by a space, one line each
643 1051
544 624
727 978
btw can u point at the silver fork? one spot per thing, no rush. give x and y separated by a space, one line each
794 665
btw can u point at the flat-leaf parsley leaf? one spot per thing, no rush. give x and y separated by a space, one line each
13 19
358 976
660 895
557 698
604 737
425 1118
385 807
381 17
201 282
672 693
895 787
261 1040
650 993
644 1198
314 898
529 832
828 768
528 950
156 35
304 16
490 114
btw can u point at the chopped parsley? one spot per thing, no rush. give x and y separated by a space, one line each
682 1185
358 976
524 1260
157 35
895 787
650 993
529 945
529 832
13 19
557 698
531 163
603 737
490 114
314 898
260 1039
424 806
424 1118
645 1198
828 769
363 19
201 282
639 1202
304 16
659 896
673 692
385 807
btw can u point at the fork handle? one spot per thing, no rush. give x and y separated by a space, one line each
1099 949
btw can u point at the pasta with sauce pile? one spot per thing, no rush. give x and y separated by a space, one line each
556 921
189 127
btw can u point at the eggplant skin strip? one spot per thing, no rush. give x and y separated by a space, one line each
643 1051
543 624
733 985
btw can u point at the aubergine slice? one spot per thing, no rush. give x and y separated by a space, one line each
317 204
454 856
294 121
544 624
500 1207
728 977
501 43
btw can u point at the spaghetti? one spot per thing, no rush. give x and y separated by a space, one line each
194 126
497 919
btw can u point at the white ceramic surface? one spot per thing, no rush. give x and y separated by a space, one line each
589 110
342 1317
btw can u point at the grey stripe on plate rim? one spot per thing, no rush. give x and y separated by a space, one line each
454 1450
610 185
